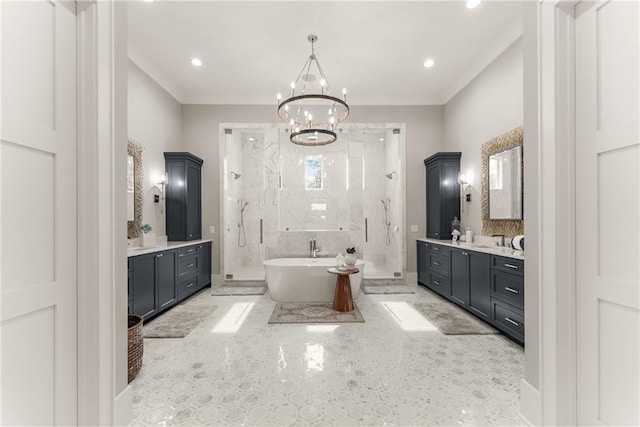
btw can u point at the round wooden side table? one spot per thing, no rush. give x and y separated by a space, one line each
342 299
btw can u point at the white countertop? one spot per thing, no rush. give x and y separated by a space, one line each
138 250
493 250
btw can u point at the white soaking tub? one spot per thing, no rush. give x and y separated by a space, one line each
306 279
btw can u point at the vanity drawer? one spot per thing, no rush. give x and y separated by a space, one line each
187 285
187 266
508 288
439 264
508 319
439 283
437 249
186 251
511 265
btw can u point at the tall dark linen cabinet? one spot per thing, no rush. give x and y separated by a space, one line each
183 196
443 193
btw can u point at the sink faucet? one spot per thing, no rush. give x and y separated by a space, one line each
313 248
501 242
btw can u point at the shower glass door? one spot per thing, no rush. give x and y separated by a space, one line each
244 206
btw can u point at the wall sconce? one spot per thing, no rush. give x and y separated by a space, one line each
159 198
462 181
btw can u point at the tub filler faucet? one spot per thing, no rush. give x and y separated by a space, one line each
313 248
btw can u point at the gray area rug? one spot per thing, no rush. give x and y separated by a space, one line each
224 291
313 313
451 320
180 320
388 289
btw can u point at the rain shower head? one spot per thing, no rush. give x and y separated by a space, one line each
235 175
390 175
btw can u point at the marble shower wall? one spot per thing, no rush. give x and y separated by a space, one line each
273 182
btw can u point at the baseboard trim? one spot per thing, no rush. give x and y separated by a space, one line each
217 280
123 407
412 278
530 404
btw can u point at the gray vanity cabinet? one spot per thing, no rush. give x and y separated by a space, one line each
460 276
489 286
153 283
166 285
439 269
471 281
443 193
507 296
204 264
143 297
183 196
423 263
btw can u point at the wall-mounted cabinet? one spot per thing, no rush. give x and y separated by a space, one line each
183 196
443 193
489 286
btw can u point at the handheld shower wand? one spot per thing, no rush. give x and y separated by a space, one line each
387 204
242 235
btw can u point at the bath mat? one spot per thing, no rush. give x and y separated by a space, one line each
451 320
296 312
179 321
388 289
239 290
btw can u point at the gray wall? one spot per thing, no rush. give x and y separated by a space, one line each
425 136
155 121
490 105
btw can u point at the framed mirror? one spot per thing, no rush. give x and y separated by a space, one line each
135 197
505 184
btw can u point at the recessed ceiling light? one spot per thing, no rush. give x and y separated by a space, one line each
148 1
429 63
196 62
472 3
381 140
251 139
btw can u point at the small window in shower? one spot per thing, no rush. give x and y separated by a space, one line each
313 173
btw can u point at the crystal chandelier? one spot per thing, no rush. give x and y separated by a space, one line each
310 110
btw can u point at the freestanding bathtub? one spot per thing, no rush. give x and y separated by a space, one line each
306 279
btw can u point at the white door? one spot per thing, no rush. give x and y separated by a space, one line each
608 213
38 213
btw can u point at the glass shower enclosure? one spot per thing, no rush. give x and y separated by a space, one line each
276 196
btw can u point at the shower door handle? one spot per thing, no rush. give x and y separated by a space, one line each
366 230
260 230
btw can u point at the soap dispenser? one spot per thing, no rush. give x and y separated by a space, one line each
468 236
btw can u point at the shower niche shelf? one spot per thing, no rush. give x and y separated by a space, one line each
183 196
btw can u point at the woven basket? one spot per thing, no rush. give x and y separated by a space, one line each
135 345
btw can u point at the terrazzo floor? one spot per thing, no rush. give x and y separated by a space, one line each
394 369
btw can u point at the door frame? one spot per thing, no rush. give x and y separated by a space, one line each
549 388
104 397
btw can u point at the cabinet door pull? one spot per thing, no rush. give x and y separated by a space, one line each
512 266
510 289
464 253
435 282
513 322
191 250
436 263
190 285
190 265
435 248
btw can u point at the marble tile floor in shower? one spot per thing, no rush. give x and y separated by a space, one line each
394 369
